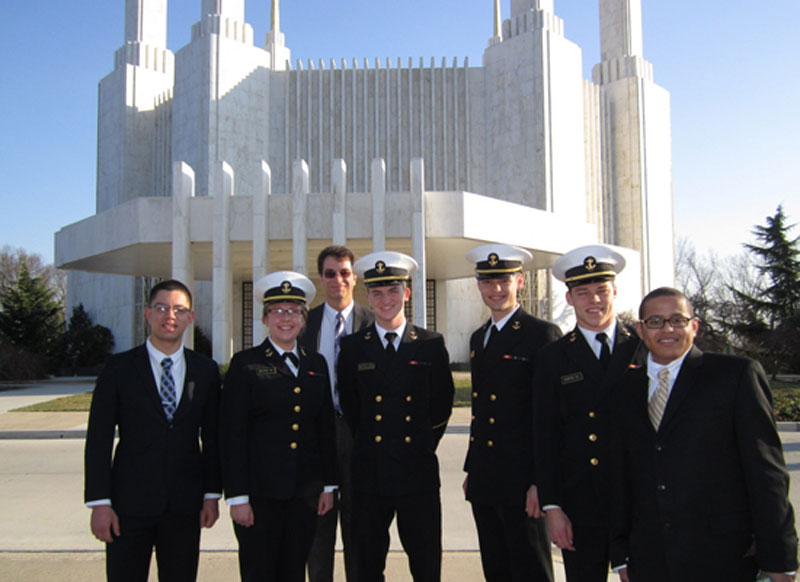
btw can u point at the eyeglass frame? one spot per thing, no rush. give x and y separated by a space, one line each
332 274
280 311
177 310
675 321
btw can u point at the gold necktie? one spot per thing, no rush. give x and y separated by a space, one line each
658 402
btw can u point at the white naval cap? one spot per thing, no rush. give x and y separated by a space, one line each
497 260
284 286
588 264
384 268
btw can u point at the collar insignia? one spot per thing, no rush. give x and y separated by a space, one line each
515 325
368 335
269 353
573 336
412 334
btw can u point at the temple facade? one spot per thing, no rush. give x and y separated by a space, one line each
226 160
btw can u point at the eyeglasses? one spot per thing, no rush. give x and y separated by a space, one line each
178 310
675 321
331 274
290 311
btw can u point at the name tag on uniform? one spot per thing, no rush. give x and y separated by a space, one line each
366 366
264 371
572 378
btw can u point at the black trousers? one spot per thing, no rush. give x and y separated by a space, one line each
275 548
175 537
320 559
514 547
419 523
589 561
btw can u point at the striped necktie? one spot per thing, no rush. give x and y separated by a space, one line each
658 402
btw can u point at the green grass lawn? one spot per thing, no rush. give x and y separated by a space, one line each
786 400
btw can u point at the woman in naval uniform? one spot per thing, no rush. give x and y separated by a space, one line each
277 438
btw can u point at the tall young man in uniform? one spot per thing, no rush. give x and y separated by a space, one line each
396 391
500 482
572 412
163 481
327 324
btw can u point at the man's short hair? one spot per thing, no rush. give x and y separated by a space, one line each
169 285
338 251
665 292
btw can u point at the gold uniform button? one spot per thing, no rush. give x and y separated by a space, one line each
297 408
474 394
408 398
295 427
408 419
378 438
297 390
592 414
493 397
293 446
490 443
408 439
491 421
378 417
594 461
593 437
379 398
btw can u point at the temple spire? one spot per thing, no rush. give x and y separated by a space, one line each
276 16
276 41
498 20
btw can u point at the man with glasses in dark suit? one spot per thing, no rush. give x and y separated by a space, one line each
337 317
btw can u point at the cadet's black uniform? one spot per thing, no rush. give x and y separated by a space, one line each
398 406
572 438
278 447
500 462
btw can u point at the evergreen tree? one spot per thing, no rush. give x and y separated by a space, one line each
770 317
30 316
85 345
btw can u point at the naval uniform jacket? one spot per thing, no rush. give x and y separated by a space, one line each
692 497
158 466
572 409
277 431
397 407
500 456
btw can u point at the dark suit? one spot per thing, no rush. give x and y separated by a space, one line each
159 471
572 410
278 448
706 496
397 406
320 559
499 461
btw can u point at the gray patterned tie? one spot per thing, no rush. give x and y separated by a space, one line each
658 402
338 333
166 388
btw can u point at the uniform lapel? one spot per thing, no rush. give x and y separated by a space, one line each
580 351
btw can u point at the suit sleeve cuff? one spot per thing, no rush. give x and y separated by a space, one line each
238 500
97 502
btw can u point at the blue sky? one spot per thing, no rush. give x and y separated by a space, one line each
731 68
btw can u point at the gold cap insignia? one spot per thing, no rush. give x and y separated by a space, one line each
590 263
286 287
493 259
380 266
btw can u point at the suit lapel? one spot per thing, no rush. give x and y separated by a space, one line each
150 387
684 384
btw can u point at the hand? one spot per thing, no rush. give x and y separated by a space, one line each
325 503
623 574
104 523
242 514
778 576
464 485
210 512
559 528
532 503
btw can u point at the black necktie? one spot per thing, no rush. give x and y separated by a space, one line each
605 353
292 358
389 337
492 334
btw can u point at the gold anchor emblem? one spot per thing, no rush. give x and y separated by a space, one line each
412 334
380 266
515 325
493 259
286 287
590 264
